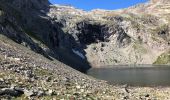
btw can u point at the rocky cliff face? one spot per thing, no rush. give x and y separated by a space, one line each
136 35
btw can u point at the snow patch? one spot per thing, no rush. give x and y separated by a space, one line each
78 53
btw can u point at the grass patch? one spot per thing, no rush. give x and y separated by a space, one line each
163 59
22 97
35 38
33 35
42 72
138 46
156 33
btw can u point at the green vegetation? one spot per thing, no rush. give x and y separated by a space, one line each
162 27
23 97
134 21
148 19
42 72
163 58
35 38
33 35
154 32
1 13
138 46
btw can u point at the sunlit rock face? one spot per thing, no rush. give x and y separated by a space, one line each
160 1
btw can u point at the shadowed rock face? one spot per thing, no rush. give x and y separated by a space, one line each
90 33
27 4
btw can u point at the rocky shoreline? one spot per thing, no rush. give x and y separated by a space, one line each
132 66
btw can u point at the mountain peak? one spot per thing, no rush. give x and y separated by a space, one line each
160 1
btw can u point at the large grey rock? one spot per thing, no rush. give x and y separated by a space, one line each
29 93
11 91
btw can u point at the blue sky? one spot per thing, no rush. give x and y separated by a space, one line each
102 4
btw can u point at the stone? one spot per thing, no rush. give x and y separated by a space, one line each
78 86
147 95
2 80
40 93
103 44
66 79
126 97
17 59
11 91
82 90
48 79
29 93
50 92
28 73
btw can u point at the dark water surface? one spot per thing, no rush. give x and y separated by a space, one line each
143 75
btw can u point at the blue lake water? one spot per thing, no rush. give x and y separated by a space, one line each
143 75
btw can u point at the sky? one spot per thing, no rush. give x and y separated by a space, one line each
101 4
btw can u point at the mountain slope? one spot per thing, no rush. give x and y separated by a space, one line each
39 42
